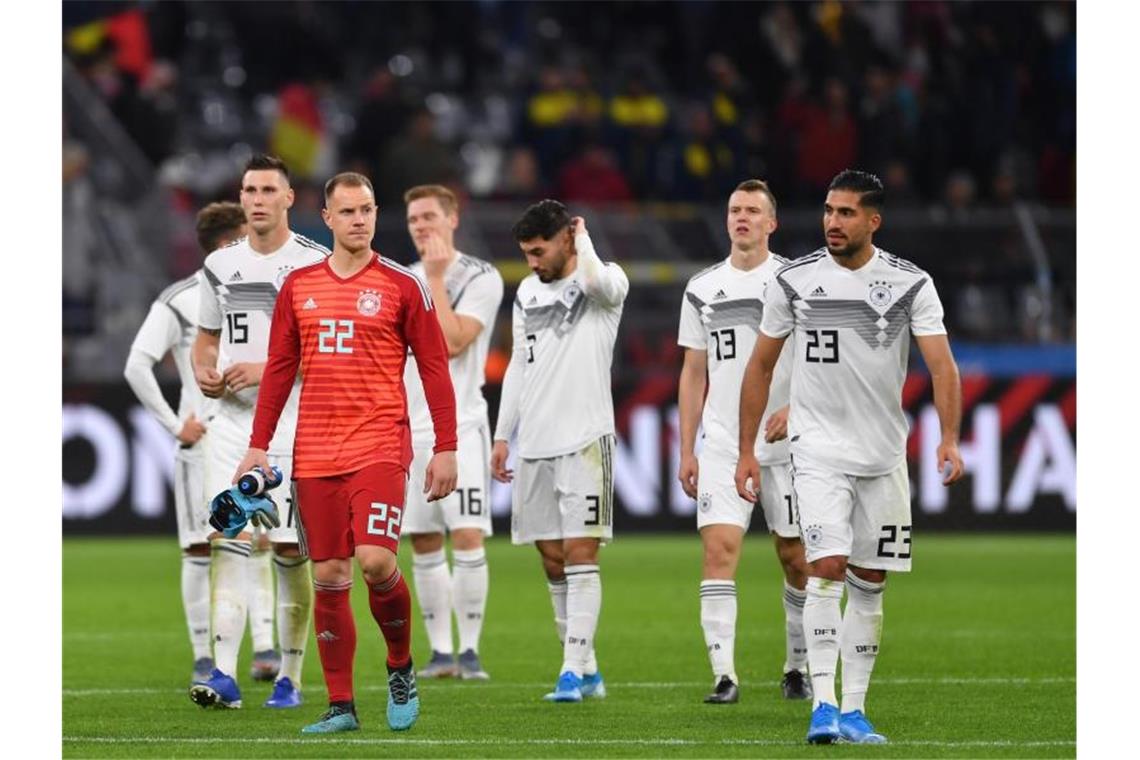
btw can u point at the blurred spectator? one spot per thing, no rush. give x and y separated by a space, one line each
828 140
639 116
416 158
706 163
592 177
900 191
381 116
883 131
961 192
520 179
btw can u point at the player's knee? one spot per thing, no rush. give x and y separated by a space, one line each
581 553
467 539
791 554
426 543
377 567
831 568
332 571
287 550
869 575
196 550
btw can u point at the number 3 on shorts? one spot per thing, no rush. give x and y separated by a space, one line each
385 521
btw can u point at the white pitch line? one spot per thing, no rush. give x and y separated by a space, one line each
633 685
295 741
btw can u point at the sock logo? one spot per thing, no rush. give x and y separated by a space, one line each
867 648
297 652
826 632
397 623
574 641
327 635
474 616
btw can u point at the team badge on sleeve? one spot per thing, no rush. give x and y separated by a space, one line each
369 303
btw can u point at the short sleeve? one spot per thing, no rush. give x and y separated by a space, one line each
926 311
481 298
209 309
779 318
691 332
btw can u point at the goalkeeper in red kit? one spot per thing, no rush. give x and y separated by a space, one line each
346 324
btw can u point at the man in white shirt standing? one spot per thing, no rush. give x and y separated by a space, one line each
467 292
720 319
557 394
852 307
170 326
241 285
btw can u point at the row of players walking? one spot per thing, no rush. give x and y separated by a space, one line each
361 380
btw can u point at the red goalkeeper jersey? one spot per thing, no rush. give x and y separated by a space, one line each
350 339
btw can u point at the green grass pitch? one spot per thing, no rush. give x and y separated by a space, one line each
978 660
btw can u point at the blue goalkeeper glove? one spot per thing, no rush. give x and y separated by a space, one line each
231 510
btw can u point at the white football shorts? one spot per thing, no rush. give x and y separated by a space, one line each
718 503
191 507
225 443
468 506
866 519
570 496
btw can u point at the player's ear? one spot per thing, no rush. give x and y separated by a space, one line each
876 221
773 223
290 196
327 217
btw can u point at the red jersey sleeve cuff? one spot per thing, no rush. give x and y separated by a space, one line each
259 442
445 446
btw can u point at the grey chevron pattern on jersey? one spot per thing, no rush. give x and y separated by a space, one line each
557 316
244 296
877 331
739 312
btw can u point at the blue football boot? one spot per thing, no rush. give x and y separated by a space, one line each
338 718
403 698
219 690
284 695
855 728
593 687
824 727
568 689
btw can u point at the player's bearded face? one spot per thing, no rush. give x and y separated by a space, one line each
265 197
548 258
847 225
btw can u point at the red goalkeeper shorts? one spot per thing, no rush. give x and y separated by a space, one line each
340 512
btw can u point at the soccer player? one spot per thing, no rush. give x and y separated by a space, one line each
241 286
720 318
851 306
170 326
557 394
348 323
466 292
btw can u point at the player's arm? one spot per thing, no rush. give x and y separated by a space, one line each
947 400
604 283
754 390
425 338
510 400
690 402
204 352
281 365
158 334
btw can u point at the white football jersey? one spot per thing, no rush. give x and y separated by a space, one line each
474 289
850 355
240 293
720 315
558 385
172 325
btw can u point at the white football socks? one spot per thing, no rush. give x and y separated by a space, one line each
433 591
294 612
718 621
196 602
558 601
471 581
260 575
583 605
822 621
795 645
859 640
229 595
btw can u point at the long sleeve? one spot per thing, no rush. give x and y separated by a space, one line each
280 368
425 338
139 373
511 397
605 283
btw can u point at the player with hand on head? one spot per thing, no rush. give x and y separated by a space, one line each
557 394
466 292
852 308
170 326
241 287
347 324
720 318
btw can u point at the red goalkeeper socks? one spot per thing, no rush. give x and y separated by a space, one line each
391 606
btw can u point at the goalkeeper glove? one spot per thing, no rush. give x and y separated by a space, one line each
231 510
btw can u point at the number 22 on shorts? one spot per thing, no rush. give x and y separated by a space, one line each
385 520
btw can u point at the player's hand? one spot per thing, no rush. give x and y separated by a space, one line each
578 225
211 382
776 428
243 375
442 472
499 453
688 475
748 469
435 256
949 462
191 432
253 458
